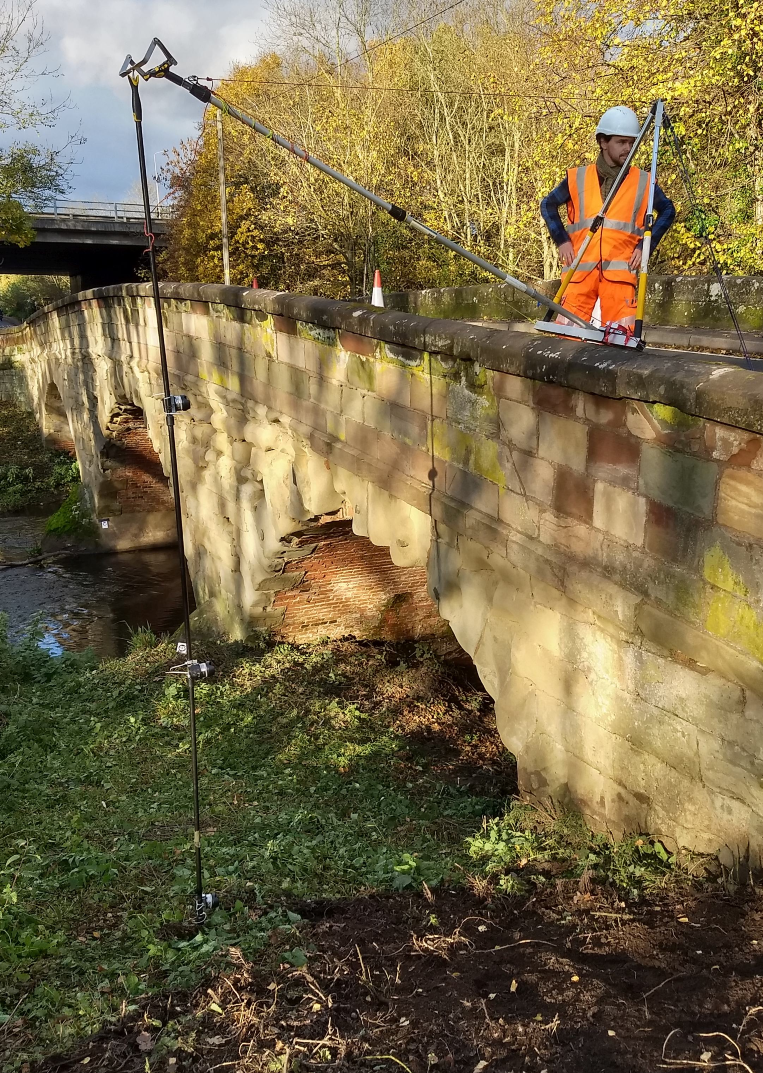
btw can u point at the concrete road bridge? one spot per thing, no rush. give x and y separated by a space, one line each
97 243
591 520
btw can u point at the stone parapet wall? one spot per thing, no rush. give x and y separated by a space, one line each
683 301
591 520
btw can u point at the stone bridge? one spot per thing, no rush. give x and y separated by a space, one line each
591 520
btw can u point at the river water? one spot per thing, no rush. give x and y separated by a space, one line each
90 601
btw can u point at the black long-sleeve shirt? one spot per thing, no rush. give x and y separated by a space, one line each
560 195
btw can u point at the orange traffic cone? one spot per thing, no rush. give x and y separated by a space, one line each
377 298
255 284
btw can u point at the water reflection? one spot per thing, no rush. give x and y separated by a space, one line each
91 601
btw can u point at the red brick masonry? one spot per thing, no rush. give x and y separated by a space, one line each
347 586
134 467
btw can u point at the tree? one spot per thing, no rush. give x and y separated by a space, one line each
468 121
28 172
20 296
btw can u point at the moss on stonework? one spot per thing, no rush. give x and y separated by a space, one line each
486 461
317 333
404 357
735 621
669 415
221 378
73 518
361 372
451 444
446 370
469 451
718 571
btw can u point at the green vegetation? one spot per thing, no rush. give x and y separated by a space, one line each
73 518
31 474
327 771
510 848
21 296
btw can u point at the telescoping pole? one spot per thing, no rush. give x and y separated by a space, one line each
648 224
206 95
190 669
601 215
397 213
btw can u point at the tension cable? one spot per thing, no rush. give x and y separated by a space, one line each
700 214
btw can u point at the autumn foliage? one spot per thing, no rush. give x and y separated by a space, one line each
467 120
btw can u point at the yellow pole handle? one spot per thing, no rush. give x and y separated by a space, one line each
641 292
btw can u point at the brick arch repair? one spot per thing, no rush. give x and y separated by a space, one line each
133 497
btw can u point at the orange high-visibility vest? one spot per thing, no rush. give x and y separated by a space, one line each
623 228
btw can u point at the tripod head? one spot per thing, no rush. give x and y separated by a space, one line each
132 67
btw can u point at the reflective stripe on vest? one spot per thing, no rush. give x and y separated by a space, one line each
606 266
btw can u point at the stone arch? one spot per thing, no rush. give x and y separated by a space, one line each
133 500
55 421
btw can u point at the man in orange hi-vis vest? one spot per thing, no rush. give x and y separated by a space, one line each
610 265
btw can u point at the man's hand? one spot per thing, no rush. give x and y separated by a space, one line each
635 260
566 254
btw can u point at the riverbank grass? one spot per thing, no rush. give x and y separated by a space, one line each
31 474
327 771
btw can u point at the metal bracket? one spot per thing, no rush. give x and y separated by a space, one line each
131 66
590 335
193 669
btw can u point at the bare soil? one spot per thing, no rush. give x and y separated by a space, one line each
570 981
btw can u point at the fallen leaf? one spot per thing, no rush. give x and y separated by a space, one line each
494 995
611 1032
706 1056
84 1061
215 1007
316 1007
145 1043
514 986
479 1067
683 920
215 1041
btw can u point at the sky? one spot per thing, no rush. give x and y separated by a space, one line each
88 41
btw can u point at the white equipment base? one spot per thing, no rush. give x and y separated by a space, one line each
591 335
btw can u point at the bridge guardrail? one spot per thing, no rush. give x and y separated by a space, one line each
105 210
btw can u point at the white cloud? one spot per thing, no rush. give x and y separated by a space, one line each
88 41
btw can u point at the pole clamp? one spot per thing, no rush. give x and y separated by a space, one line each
193 669
175 404
203 905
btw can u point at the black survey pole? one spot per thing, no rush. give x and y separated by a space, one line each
172 404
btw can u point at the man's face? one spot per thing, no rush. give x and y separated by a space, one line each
616 149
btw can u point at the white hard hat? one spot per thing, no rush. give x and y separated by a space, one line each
619 120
